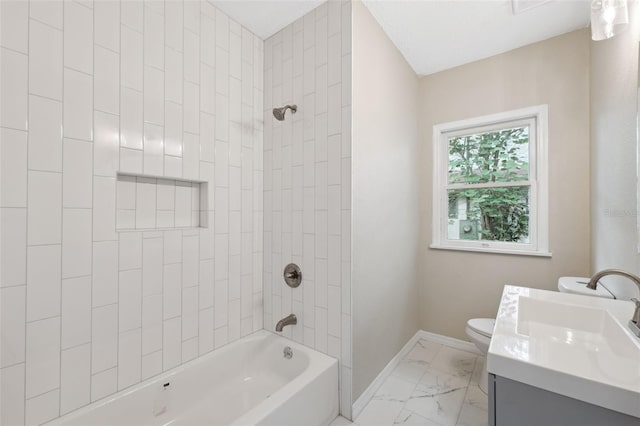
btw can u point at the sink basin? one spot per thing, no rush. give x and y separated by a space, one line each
574 345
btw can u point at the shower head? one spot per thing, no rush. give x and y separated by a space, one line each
278 113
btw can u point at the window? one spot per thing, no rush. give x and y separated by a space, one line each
490 183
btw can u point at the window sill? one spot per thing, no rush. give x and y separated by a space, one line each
492 250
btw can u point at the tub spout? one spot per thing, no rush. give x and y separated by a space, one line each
288 320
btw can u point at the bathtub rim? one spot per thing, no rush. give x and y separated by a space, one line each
318 361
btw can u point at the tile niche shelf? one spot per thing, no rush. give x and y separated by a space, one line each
148 202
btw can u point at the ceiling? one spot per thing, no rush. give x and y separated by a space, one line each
434 35
266 17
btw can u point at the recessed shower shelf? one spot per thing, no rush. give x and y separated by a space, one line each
159 203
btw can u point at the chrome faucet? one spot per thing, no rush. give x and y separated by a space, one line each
288 320
634 322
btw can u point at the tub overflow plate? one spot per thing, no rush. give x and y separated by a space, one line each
292 275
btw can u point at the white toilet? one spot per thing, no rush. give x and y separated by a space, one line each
479 330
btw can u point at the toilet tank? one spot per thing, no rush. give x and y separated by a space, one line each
578 285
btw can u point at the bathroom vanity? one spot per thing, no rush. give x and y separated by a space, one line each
563 359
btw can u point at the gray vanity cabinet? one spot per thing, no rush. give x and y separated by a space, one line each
514 403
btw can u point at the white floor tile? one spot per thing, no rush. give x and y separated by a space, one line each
434 385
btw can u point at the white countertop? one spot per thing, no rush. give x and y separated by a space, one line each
573 345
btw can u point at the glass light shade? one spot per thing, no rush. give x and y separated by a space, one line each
608 18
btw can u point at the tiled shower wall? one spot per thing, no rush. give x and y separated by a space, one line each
165 89
307 182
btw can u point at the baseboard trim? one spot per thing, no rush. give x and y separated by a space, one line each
373 387
452 342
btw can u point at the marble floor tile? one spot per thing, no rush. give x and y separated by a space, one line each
474 408
440 408
454 361
380 412
424 351
434 385
409 418
395 389
410 370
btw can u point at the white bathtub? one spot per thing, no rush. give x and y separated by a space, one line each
248 382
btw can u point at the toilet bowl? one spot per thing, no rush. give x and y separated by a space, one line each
479 331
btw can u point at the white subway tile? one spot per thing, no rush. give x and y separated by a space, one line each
104 338
77 183
154 38
131 118
45 59
129 358
49 12
152 323
104 383
14 247
13 168
76 311
43 357
78 105
173 76
45 134
192 16
151 364
222 30
12 325
43 282
172 247
106 79
131 161
207 137
130 300
106 159
171 344
153 95
130 250
14 25
205 331
131 59
191 107
183 205
151 266
190 156
105 273
42 408
174 22
12 385
207 89
75 378
222 71
221 305
145 203
191 57
208 38
173 129
107 24
172 166
78 37
153 150
14 84
189 313
126 192
76 242
131 14
172 291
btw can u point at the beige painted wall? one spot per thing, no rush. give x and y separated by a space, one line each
385 200
456 285
614 81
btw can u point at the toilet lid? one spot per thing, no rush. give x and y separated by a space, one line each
482 326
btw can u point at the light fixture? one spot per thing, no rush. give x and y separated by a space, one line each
608 18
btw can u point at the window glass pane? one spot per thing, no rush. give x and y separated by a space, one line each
495 156
496 214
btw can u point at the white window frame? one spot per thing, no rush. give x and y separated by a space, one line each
538 244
